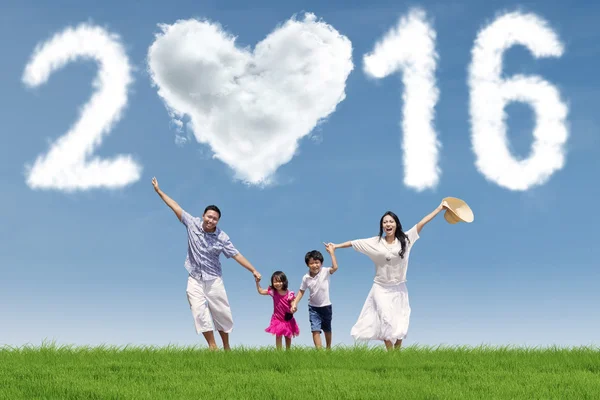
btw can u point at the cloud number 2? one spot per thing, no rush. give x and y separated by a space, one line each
68 165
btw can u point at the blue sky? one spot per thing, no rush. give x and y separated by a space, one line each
106 266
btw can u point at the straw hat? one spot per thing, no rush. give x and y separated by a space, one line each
458 211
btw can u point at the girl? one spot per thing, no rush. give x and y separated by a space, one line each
283 322
386 312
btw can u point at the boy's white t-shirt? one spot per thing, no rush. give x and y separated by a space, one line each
318 286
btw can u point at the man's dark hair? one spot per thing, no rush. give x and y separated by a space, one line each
214 208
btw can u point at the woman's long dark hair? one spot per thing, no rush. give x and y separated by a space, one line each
400 235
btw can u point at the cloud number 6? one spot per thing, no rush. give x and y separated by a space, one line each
490 93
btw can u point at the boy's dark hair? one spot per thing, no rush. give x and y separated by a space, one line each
212 207
315 255
281 278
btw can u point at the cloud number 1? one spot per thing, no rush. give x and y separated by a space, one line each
410 48
67 166
490 93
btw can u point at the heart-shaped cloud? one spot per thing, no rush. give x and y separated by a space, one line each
251 107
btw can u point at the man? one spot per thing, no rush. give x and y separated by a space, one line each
205 290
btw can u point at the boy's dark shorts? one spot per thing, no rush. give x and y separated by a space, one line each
320 318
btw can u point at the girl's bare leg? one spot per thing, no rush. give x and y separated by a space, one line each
278 342
288 343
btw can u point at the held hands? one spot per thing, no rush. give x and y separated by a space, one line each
330 247
257 276
293 307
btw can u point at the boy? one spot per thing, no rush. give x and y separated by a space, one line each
319 305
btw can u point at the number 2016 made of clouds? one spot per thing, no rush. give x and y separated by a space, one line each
268 99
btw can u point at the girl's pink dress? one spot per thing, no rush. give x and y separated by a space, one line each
279 326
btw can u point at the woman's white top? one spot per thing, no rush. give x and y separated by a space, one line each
390 269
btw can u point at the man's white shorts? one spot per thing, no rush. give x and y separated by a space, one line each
208 299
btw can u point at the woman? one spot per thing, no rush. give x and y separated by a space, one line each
386 313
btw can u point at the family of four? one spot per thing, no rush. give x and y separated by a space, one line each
384 316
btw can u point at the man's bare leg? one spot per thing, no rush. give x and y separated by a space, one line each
225 339
398 344
388 345
210 339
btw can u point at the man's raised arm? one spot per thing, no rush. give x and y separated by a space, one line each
169 201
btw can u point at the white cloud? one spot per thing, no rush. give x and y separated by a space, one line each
251 108
178 123
180 140
490 93
409 49
317 137
69 165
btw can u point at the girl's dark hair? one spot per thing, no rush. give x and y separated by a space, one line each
400 235
281 278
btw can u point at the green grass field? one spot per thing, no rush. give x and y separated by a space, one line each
68 372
